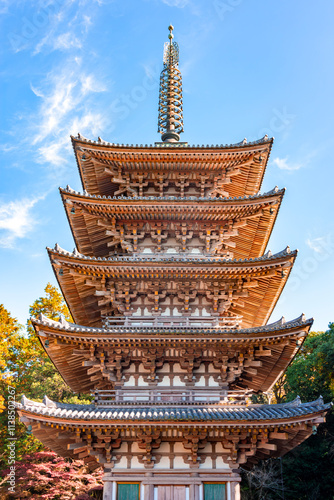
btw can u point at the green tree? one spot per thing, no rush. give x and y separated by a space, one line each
15 361
308 469
44 378
312 372
25 366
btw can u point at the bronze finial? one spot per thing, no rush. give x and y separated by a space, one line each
170 120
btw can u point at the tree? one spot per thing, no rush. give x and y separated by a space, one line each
25 366
307 470
15 362
312 372
47 476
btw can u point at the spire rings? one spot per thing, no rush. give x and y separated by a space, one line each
170 102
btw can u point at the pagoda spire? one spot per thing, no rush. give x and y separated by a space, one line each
170 120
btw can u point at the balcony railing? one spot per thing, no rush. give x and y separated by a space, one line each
172 321
167 395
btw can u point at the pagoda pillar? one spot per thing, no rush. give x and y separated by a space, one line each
109 487
235 490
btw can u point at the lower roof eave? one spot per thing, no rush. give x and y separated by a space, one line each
174 415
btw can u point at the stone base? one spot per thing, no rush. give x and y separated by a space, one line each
180 485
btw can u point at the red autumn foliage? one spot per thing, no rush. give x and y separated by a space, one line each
46 476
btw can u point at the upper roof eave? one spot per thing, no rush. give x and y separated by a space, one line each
77 330
268 258
71 193
170 146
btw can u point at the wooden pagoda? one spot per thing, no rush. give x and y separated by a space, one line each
171 290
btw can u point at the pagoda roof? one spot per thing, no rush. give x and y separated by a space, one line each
90 235
275 429
89 413
73 270
99 155
280 339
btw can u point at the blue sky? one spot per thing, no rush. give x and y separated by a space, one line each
249 68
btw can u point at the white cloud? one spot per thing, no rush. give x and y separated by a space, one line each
66 41
321 245
176 3
55 151
284 164
6 148
16 220
86 22
66 108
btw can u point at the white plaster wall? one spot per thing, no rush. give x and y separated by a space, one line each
122 464
176 312
212 382
179 463
200 382
135 464
177 368
137 312
220 464
130 382
164 382
164 368
164 448
135 448
207 464
178 448
122 449
177 382
142 382
220 449
131 369
163 464
212 369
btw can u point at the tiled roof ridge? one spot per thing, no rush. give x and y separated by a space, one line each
172 258
182 145
275 326
257 196
198 411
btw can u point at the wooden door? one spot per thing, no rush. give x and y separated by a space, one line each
214 491
127 491
172 492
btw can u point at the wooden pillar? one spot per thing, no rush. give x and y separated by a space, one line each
235 490
108 490
192 492
149 492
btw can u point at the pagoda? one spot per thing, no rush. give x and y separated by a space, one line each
171 288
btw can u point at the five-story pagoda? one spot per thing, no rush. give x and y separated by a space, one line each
171 291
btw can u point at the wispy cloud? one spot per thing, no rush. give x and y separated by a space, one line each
42 29
285 164
16 220
63 42
321 244
65 109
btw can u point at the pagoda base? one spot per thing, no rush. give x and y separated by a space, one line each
172 485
